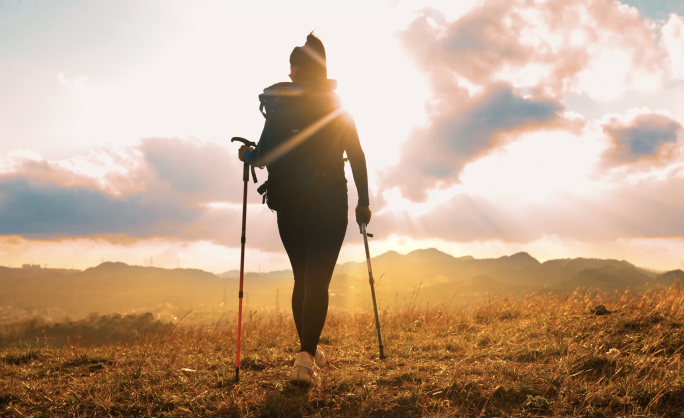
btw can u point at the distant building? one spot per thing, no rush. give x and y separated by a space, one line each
31 266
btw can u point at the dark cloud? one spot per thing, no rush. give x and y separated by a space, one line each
500 110
48 210
642 137
165 194
460 131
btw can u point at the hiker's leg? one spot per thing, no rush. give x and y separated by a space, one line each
325 241
293 234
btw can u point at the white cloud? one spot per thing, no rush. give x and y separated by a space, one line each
77 83
673 41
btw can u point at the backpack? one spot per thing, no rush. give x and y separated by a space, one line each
278 103
288 109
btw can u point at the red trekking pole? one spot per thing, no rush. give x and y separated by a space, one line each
245 178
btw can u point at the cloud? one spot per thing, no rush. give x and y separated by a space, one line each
186 169
78 83
646 208
571 184
162 187
41 209
461 131
673 41
641 136
600 47
202 171
504 67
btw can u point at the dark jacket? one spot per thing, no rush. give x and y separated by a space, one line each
305 137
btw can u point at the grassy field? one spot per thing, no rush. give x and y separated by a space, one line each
538 355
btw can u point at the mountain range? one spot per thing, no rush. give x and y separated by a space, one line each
427 275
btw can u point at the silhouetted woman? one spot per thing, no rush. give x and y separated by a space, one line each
302 145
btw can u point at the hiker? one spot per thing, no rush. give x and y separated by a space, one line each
302 145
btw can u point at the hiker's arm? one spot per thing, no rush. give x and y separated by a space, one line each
252 156
357 159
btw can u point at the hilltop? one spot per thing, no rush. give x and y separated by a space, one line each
541 354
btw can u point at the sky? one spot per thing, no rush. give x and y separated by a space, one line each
490 127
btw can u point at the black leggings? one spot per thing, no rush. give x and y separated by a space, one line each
312 235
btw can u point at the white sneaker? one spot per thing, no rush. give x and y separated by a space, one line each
303 372
320 357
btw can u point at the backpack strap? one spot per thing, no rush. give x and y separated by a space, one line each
262 106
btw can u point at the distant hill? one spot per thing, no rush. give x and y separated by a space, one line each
118 287
670 277
432 266
109 287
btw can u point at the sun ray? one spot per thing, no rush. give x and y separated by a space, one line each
298 139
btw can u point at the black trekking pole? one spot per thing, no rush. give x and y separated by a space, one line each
372 286
245 178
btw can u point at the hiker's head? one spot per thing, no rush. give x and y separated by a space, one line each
308 61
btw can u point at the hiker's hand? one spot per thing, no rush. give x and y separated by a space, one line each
242 151
363 215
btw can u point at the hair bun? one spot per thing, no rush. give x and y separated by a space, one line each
310 58
315 43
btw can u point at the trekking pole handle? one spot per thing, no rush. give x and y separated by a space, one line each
245 173
244 141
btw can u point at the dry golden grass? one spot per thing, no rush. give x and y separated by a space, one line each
540 355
